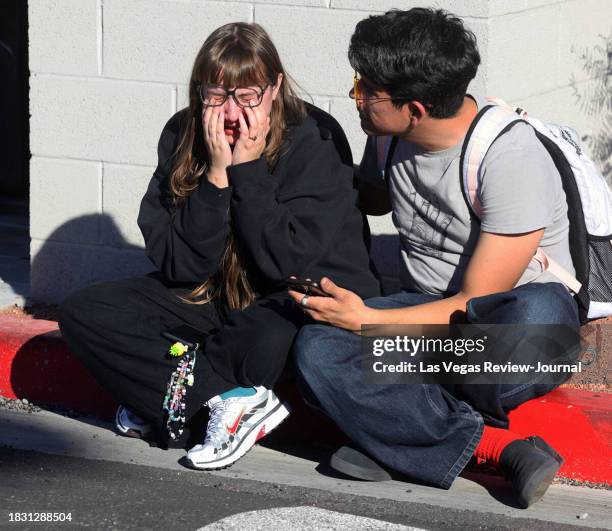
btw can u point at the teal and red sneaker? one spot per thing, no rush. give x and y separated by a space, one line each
234 426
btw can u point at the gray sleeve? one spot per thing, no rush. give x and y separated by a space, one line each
369 171
517 188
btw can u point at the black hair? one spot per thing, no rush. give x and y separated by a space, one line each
423 55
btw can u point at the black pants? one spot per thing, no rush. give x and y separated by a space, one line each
115 329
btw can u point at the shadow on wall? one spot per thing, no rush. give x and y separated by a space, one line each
61 265
595 100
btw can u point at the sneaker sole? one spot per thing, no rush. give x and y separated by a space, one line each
537 486
354 470
269 422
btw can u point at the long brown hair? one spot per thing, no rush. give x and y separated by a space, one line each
239 54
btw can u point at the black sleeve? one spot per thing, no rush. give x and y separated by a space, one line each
288 229
184 243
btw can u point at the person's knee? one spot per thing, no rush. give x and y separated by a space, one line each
535 303
102 299
75 307
545 303
309 350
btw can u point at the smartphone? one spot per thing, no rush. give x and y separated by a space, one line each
306 286
188 335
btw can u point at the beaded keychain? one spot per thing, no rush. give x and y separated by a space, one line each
180 379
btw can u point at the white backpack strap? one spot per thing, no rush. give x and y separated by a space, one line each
556 269
498 101
490 123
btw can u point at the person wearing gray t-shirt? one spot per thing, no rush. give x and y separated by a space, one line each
412 69
520 190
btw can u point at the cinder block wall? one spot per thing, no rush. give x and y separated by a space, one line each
107 74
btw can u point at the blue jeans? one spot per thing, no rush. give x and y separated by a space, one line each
428 432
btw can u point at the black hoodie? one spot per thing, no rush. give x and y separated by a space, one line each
298 219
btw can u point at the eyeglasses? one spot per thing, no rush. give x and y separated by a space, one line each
359 96
216 95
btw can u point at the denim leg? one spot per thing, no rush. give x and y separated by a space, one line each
535 303
419 430
396 300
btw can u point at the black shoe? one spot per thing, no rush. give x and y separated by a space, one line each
540 443
531 465
358 465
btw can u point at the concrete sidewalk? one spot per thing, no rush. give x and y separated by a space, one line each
299 467
36 364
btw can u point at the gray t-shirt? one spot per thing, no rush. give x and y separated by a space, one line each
520 191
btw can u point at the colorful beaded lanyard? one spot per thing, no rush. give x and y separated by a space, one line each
176 393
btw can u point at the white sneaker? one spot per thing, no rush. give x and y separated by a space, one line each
131 425
234 426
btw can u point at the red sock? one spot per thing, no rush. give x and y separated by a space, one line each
492 444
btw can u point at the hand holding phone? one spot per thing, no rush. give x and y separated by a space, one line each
306 286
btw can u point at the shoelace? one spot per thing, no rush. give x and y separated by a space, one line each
214 430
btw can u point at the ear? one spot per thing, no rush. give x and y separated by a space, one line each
276 87
417 109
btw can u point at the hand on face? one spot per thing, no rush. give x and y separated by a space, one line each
217 145
248 138
252 140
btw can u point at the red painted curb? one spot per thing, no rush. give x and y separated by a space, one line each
35 363
578 424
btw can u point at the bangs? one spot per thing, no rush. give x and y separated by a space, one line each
234 66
